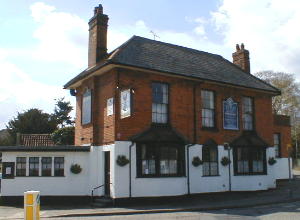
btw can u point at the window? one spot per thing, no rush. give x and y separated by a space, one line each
46 166
34 166
208 109
210 160
247 113
250 160
277 144
59 166
160 160
87 107
21 166
160 101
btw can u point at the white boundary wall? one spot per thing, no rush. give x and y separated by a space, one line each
70 185
92 175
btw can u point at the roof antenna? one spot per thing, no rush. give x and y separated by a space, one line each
154 35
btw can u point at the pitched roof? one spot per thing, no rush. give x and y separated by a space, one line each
249 139
161 133
169 58
62 148
34 140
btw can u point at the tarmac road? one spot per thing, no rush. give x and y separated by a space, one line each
284 211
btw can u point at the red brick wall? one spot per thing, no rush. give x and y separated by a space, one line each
284 129
107 129
101 130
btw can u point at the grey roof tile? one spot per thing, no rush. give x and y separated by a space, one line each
173 59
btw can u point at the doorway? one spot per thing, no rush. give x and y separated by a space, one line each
107 173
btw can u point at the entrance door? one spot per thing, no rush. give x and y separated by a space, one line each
107 173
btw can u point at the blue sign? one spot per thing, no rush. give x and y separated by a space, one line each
230 114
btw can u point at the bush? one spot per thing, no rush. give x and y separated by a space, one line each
64 136
272 161
225 161
75 168
197 161
122 160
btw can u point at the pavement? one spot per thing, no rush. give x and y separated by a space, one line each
286 192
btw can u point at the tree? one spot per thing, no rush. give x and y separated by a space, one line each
62 112
288 103
32 121
64 136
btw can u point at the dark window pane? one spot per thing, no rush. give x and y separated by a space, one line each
159 103
210 160
59 166
34 165
21 166
46 166
87 107
208 108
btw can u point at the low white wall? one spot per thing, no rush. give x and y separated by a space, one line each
281 168
69 185
202 184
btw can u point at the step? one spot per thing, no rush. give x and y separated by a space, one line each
102 202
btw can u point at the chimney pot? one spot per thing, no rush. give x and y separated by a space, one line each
242 46
241 58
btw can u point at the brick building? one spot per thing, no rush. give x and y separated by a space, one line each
163 120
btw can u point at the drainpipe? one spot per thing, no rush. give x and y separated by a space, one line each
130 147
226 146
188 167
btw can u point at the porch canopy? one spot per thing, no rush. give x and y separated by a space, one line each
249 139
160 133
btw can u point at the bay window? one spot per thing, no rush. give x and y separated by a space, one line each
210 160
156 160
250 160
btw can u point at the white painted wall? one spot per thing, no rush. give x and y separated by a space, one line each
92 175
71 184
281 168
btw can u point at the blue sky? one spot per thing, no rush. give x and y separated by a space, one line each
43 44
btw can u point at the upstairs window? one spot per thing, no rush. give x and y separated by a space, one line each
160 101
59 166
21 166
34 164
46 166
208 109
247 113
277 144
86 111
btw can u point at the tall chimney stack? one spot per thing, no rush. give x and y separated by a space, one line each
97 36
241 58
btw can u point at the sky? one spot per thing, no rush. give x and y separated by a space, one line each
43 44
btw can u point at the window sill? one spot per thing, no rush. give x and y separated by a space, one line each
38 176
252 174
152 176
212 129
211 175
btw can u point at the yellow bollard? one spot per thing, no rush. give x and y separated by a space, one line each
32 205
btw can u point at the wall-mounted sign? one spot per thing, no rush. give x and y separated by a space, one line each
8 170
125 103
110 106
230 114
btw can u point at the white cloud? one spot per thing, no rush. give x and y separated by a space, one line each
62 37
269 29
19 92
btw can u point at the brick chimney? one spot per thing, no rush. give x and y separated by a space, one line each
97 36
241 58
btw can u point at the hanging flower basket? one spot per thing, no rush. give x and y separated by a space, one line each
272 161
122 160
225 161
197 161
76 168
